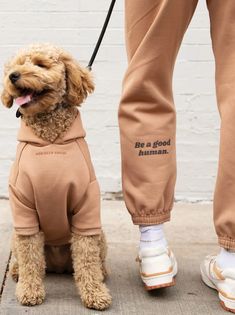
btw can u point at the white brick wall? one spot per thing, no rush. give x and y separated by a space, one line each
75 25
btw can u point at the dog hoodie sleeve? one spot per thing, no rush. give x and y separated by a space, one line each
25 218
86 218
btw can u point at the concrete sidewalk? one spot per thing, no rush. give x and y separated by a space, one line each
191 235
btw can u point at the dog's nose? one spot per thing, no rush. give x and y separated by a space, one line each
14 76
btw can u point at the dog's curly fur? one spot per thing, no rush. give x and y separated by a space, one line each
51 73
58 84
51 125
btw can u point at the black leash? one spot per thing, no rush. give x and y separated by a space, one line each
97 46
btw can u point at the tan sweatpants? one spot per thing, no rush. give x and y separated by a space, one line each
147 118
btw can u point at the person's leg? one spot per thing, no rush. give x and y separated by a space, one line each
154 30
222 15
152 236
219 272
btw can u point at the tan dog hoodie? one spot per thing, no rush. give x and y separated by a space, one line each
52 186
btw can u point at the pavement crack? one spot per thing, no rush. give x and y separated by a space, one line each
5 276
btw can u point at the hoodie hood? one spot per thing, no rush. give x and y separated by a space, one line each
75 131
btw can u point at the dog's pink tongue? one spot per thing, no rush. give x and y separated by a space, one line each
23 99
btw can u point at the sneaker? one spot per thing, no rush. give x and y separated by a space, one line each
158 267
221 280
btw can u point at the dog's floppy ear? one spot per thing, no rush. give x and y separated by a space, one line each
79 80
6 98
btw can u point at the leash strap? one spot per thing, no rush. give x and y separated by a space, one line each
97 46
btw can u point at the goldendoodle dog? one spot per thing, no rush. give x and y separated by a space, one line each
53 191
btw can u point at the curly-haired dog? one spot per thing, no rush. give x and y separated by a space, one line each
54 194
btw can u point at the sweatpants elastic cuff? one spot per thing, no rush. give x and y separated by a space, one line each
150 220
227 242
86 232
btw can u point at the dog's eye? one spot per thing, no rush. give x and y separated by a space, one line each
40 65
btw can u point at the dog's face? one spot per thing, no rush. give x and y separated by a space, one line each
42 76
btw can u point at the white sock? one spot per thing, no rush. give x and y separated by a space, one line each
152 236
225 259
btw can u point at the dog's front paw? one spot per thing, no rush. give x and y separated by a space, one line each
98 297
30 293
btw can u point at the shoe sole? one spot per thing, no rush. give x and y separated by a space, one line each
162 281
159 286
227 308
226 303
